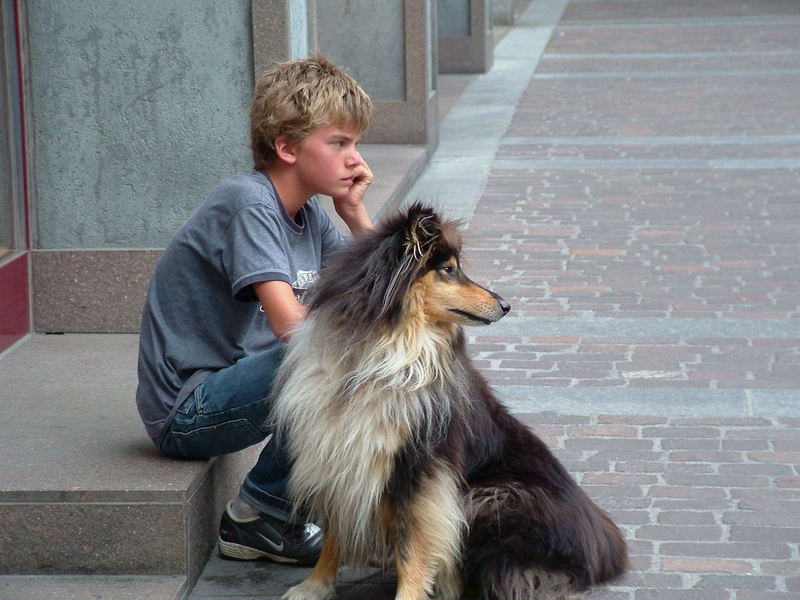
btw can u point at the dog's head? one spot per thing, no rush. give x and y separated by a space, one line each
409 266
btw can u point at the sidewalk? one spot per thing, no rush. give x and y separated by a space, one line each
629 172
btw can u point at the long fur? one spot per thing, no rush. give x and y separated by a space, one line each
400 448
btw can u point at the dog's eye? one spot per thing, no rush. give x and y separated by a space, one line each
449 269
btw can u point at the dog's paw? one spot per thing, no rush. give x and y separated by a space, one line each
310 590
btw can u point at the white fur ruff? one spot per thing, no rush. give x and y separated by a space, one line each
310 590
348 406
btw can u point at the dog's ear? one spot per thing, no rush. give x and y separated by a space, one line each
422 230
369 279
413 240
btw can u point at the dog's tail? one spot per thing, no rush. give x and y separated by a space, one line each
529 543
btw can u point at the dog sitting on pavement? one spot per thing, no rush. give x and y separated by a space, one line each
400 448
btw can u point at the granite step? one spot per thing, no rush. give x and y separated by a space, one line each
83 490
92 587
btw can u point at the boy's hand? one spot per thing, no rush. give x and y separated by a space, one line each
362 177
350 207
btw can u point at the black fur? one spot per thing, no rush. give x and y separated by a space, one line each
526 511
370 276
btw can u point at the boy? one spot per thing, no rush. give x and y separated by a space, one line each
228 290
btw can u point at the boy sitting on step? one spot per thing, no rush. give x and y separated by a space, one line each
227 292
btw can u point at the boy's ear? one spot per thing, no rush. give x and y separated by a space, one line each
285 149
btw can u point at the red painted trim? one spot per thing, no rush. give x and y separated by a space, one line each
14 301
15 313
23 128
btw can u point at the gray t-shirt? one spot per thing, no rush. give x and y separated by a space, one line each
201 313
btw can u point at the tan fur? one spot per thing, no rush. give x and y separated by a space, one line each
348 408
342 475
319 584
437 298
352 441
435 540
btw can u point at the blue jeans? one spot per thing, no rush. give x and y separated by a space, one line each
228 412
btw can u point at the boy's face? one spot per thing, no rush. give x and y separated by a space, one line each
326 160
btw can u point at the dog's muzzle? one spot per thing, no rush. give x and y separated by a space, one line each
504 306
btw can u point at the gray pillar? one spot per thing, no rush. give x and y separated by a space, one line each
503 12
465 36
389 47
281 31
140 109
506 12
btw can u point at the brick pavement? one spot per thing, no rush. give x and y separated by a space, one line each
649 180
710 506
711 363
640 212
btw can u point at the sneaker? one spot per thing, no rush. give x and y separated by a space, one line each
266 537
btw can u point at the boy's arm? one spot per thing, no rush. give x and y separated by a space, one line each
279 304
356 217
351 206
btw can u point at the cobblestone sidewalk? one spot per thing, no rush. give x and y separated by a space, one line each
710 506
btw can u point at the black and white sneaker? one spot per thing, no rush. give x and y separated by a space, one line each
266 537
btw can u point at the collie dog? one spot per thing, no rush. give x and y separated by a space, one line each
400 449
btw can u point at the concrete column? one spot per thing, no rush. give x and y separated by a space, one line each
389 47
506 12
281 31
503 12
140 109
465 36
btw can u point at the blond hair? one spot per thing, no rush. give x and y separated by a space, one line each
296 97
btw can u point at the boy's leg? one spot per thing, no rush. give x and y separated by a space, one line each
229 412
270 532
226 413
265 484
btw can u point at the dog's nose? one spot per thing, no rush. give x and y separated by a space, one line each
504 306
